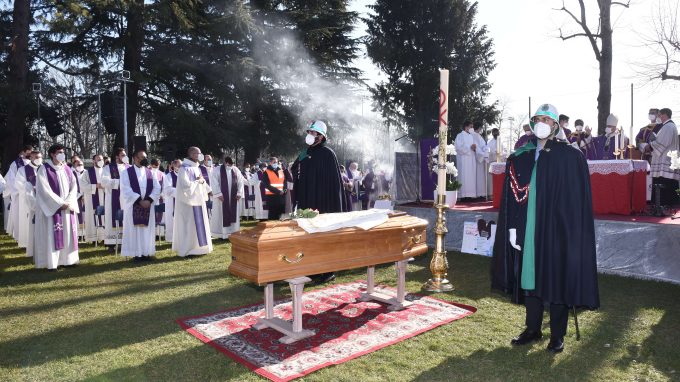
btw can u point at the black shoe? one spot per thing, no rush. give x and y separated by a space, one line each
556 345
323 278
527 336
137 259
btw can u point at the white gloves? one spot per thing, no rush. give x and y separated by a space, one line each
513 239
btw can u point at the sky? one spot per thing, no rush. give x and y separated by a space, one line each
532 61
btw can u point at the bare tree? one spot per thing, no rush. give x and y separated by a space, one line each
601 41
665 45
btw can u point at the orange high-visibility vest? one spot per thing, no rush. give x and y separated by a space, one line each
276 180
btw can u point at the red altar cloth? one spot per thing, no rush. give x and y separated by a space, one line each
618 186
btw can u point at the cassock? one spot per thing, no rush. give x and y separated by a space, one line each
191 235
227 182
547 199
93 198
605 145
467 165
10 193
56 228
139 224
317 181
290 195
25 182
169 192
111 182
482 157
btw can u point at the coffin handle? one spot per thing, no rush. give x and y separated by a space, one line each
415 239
297 259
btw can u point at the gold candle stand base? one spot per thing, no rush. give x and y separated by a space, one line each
439 265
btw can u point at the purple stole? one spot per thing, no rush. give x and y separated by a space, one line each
57 221
140 215
198 214
19 162
81 204
204 172
95 197
605 148
115 193
30 175
173 177
246 195
229 206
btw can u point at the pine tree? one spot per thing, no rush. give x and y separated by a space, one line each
410 40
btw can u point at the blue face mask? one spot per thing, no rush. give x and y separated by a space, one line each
275 166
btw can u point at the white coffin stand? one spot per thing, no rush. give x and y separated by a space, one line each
293 331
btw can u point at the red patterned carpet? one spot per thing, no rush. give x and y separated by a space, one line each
345 329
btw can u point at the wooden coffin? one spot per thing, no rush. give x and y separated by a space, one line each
279 250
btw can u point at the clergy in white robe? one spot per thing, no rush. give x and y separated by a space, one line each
482 157
55 216
169 193
139 190
492 149
466 162
79 170
111 182
25 181
227 186
30 201
665 142
91 185
10 191
261 211
248 200
191 235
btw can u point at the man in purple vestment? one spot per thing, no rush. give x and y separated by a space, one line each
564 124
642 139
606 145
578 139
524 139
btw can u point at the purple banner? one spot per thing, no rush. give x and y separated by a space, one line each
428 179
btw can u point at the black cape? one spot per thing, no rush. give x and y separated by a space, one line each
317 181
565 256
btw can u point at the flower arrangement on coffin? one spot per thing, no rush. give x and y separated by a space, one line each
306 213
384 196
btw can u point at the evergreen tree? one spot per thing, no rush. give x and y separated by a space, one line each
410 40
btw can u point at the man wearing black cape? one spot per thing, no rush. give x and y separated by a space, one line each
316 179
544 253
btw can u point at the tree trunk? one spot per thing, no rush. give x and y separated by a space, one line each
604 98
132 61
18 82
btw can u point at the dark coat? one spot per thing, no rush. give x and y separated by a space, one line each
565 256
317 181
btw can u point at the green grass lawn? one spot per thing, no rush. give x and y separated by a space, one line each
109 319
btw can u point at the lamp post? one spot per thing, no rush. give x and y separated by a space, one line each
125 78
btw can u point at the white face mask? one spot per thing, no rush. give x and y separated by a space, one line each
658 120
579 128
542 130
310 139
100 163
565 125
61 157
201 157
652 117
80 168
608 130
209 163
37 162
125 160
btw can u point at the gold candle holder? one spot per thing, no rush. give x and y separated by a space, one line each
439 265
